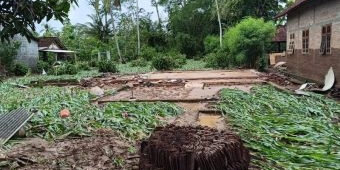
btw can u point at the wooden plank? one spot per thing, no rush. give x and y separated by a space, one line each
160 100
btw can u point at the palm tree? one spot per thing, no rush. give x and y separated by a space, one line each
97 28
109 6
48 30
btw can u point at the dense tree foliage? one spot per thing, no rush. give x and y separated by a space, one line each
191 29
249 41
19 17
235 10
190 25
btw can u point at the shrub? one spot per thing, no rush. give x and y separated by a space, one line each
188 45
179 59
65 68
83 65
220 59
141 62
107 66
163 63
43 65
249 40
8 51
211 44
148 53
94 63
19 69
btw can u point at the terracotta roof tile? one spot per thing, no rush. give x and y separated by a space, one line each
281 34
297 4
47 41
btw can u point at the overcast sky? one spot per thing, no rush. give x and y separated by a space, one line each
79 14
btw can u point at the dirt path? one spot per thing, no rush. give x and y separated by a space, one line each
191 90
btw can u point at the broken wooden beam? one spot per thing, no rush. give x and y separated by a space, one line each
159 100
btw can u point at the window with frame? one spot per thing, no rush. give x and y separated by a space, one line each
291 44
325 47
305 41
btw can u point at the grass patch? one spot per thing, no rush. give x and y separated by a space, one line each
85 117
288 131
194 65
190 65
28 79
128 69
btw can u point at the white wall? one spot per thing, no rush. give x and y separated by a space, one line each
28 52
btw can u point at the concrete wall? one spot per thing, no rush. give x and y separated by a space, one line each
28 52
313 15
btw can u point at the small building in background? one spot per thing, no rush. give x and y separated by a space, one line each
52 45
313 44
28 52
278 49
280 39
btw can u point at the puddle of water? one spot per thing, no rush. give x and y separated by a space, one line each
210 120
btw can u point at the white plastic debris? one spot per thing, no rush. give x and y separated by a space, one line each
279 64
329 80
301 92
44 72
97 91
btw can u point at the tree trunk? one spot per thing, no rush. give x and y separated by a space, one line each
116 37
219 22
138 34
159 17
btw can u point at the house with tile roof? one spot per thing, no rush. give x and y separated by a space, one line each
313 38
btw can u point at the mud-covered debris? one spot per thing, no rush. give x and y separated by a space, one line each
193 148
97 91
104 150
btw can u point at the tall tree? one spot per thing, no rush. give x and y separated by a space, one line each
98 27
191 24
219 22
109 6
155 4
19 17
138 30
49 31
235 10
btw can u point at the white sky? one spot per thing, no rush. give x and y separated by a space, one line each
79 14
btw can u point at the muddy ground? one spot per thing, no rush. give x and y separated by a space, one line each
195 91
103 150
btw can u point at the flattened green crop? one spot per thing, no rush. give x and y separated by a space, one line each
288 131
131 119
